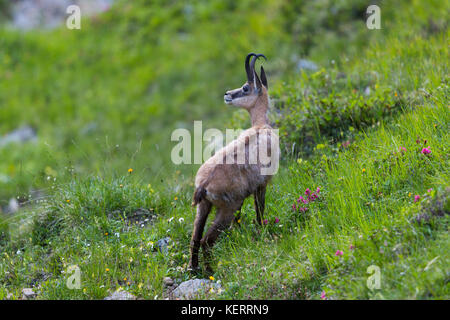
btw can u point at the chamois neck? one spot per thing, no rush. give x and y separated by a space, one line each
258 113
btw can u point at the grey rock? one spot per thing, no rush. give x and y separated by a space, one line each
304 64
28 293
23 134
162 244
121 295
48 14
192 288
13 206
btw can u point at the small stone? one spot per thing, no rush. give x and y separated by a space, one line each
121 295
162 244
28 293
191 288
168 282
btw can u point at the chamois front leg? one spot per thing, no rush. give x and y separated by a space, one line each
203 209
260 202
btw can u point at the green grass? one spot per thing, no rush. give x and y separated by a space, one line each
106 221
294 258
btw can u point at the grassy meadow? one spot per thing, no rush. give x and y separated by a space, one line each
363 179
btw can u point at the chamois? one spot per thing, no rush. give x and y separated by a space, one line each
237 170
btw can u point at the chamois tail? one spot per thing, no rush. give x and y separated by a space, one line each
199 195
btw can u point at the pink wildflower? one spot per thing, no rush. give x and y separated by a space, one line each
426 150
265 221
318 190
277 220
416 198
352 247
307 191
339 253
294 207
429 190
323 295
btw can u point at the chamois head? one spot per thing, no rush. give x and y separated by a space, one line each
247 95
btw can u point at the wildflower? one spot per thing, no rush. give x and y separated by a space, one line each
323 295
176 198
426 150
125 279
402 149
313 197
345 144
68 200
416 198
294 207
107 269
429 190
303 209
211 278
352 247
181 220
106 233
395 94
409 194
318 190
277 220
265 221
121 185
363 170
339 253
239 221
130 170
301 199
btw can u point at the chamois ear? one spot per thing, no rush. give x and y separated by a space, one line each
264 78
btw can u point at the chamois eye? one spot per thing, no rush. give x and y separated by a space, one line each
245 88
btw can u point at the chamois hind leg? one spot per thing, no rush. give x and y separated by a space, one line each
203 210
224 217
260 203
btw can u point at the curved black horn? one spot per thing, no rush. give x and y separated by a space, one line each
252 64
252 67
247 67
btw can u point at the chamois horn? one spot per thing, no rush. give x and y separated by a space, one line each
247 67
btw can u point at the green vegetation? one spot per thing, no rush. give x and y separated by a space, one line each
360 129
